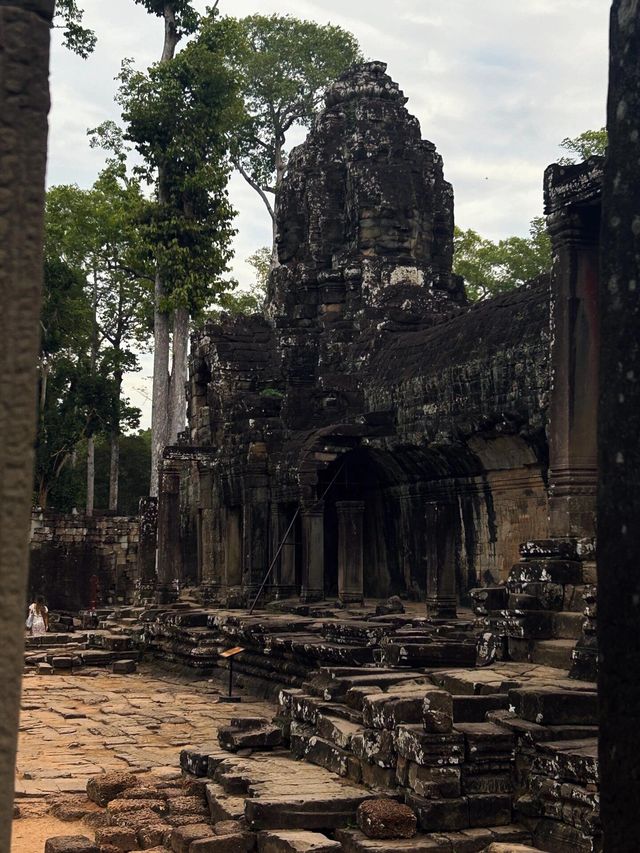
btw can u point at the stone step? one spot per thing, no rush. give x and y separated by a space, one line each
555 707
296 841
554 653
473 709
324 813
464 841
567 626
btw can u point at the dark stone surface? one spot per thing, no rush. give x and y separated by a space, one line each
619 450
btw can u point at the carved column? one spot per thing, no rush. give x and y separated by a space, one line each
169 553
442 521
574 367
350 551
209 539
255 541
312 553
231 531
284 574
145 587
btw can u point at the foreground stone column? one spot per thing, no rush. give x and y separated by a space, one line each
24 104
350 551
573 223
618 533
441 561
168 533
312 553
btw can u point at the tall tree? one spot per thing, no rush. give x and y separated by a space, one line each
286 64
178 115
96 232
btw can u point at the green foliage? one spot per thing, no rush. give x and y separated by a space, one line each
68 17
285 66
251 300
489 268
179 115
584 145
71 399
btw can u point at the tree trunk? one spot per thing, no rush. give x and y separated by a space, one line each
91 473
114 470
160 400
160 391
24 103
178 394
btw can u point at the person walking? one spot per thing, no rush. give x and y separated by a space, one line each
38 618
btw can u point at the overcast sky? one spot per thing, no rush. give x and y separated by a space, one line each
496 84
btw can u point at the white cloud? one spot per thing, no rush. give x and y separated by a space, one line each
496 86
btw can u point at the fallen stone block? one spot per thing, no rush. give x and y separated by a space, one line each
296 841
120 806
386 819
223 807
473 709
118 837
106 787
133 820
233 739
62 662
187 805
430 782
195 760
45 669
437 711
355 841
489 809
228 827
375 747
183 837
124 667
70 844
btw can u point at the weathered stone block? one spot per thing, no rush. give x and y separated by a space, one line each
119 837
296 841
124 667
386 819
554 707
102 789
437 711
440 815
240 842
489 809
70 844
428 749
183 837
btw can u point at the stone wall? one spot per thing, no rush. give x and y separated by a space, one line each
77 560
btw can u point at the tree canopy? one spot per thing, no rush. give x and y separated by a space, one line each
490 267
68 17
285 65
584 145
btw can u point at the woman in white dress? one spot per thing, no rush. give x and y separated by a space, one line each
38 619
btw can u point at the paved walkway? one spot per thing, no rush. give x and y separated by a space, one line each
72 727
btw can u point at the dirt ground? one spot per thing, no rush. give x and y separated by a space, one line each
75 726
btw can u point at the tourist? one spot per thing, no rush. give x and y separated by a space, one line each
38 618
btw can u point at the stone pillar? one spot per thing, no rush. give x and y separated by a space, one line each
231 528
169 554
350 551
312 553
255 542
442 522
284 574
145 586
618 531
573 228
210 537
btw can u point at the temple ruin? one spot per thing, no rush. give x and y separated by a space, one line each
386 498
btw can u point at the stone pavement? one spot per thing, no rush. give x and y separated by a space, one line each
73 727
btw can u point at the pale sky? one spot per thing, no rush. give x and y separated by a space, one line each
495 84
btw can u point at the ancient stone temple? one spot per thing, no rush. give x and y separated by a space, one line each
373 433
